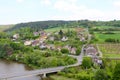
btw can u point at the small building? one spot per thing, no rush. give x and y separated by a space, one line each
91 51
52 38
35 43
43 46
82 39
64 38
15 36
36 33
73 50
27 43
59 48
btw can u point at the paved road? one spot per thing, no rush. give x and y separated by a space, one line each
43 71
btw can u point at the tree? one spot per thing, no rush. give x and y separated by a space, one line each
78 51
101 75
61 33
87 62
66 51
116 73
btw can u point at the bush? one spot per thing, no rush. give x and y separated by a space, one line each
112 40
101 75
116 73
65 51
78 51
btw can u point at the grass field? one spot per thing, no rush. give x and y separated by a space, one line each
102 37
4 27
58 29
110 50
103 27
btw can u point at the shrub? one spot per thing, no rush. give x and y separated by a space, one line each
65 51
101 75
116 73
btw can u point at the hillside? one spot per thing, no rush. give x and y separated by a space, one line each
5 27
38 25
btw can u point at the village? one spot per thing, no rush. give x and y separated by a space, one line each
45 37
46 41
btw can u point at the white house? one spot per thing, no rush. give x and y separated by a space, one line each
64 38
27 43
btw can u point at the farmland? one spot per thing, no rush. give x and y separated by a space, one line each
110 50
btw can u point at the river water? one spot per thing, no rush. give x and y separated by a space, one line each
7 67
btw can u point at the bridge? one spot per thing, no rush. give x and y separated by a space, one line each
43 71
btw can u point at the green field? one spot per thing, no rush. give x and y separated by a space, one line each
4 27
102 37
58 29
103 27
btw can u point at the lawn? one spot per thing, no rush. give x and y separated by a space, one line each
110 50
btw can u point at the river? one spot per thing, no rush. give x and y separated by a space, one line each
7 67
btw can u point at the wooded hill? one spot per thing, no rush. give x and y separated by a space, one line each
51 24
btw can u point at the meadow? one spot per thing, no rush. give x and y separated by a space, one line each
102 36
58 29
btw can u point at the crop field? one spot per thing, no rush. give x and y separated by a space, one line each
110 50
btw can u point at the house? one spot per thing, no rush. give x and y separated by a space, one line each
48 34
36 33
67 47
82 39
64 38
52 38
73 50
27 43
91 51
52 47
15 36
99 62
59 48
35 43
43 46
